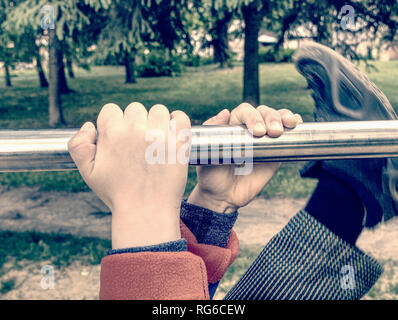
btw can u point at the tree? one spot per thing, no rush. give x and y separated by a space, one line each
61 19
168 22
216 17
55 105
131 26
27 47
40 71
252 16
220 14
253 13
6 57
219 33
6 43
375 23
123 32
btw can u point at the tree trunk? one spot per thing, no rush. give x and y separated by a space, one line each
251 87
69 67
7 77
129 64
40 71
220 39
54 96
62 83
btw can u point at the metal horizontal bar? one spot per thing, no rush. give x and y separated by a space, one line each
44 150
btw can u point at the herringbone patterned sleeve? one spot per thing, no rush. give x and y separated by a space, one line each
306 261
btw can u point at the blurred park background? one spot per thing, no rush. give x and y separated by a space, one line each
61 61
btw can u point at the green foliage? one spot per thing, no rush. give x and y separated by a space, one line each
67 16
269 55
157 65
124 28
196 60
191 60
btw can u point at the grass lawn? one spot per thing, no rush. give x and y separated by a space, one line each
19 250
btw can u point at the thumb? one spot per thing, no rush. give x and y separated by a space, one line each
82 149
220 119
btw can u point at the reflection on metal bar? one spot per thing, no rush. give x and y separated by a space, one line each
44 150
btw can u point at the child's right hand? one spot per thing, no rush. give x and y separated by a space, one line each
144 198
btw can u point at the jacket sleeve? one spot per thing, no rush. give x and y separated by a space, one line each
153 276
216 259
166 275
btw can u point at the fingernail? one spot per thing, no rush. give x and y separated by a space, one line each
276 126
259 127
288 116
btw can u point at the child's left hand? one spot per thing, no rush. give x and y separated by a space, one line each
219 188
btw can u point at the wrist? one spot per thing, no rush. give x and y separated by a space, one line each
133 226
206 200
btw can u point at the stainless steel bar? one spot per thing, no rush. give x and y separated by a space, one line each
45 150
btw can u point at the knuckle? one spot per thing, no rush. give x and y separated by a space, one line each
181 119
109 106
184 120
273 113
135 106
72 144
242 108
285 111
75 141
159 108
245 105
106 113
263 107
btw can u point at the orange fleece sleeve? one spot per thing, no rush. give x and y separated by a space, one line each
216 259
153 276
166 275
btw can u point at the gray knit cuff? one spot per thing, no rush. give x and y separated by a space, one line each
306 261
207 226
172 246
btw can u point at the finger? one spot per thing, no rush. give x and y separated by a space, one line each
158 117
183 136
273 120
222 118
82 148
246 114
136 113
288 118
110 113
